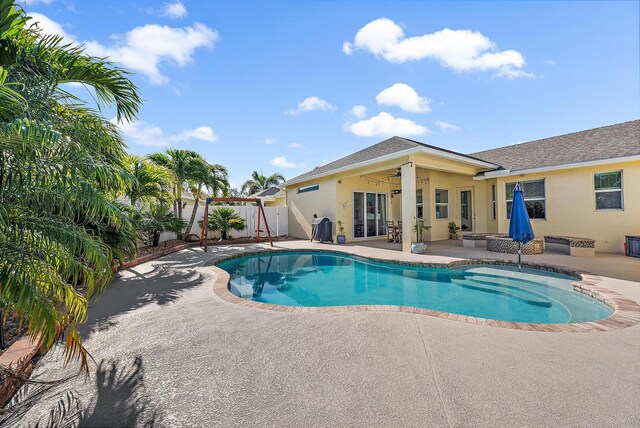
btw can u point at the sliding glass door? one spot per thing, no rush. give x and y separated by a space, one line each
382 214
369 214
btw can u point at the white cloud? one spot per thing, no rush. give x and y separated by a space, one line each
282 162
144 49
445 126
359 111
551 62
174 10
49 26
461 50
385 125
405 97
202 133
269 141
143 133
347 48
146 134
295 146
310 104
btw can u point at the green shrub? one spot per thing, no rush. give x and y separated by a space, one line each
225 219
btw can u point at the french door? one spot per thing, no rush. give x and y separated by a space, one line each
369 214
466 211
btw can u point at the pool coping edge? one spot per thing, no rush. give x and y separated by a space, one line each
626 311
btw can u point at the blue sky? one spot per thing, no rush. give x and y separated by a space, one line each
286 86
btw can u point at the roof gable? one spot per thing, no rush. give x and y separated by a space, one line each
384 148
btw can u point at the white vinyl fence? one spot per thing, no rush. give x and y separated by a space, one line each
277 218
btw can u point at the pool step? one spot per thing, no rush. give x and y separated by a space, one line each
514 277
525 296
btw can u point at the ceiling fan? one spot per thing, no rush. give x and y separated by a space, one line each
397 174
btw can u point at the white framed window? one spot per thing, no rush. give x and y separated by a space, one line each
493 202
442 204
419 211
608 189
534 198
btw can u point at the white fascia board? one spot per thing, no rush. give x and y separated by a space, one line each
414 150
510 173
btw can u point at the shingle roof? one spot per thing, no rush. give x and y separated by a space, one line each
271 191
607 142
386 147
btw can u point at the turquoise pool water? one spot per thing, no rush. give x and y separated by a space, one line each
495 292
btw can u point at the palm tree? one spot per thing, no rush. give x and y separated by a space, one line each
61 167
150 182
218 183
212 177
225 219
258 182
158 219
186 166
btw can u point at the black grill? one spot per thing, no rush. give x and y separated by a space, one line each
321 230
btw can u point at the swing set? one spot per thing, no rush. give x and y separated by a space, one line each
204 237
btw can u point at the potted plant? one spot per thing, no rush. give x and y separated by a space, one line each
340 238
453 230
419 247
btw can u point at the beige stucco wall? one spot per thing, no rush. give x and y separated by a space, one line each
570 205
277 202
302 206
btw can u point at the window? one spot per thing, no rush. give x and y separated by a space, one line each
608 186
534 198
442 204
308 188
493 202
419 203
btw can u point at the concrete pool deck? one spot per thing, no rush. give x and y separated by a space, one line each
169 352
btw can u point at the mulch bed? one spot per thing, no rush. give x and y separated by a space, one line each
212 241
12 332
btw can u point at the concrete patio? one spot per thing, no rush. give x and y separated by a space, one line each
169 352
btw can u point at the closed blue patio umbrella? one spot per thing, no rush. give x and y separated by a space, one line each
519 227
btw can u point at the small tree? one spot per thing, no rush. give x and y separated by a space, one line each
157 220
225 219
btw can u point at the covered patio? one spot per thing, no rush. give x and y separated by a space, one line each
385 202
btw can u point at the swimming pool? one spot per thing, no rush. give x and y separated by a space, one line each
484 291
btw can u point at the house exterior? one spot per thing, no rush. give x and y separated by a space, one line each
584 184
271 197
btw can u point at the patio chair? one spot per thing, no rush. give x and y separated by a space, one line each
399 231
391 231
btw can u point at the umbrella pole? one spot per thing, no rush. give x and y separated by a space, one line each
519 256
